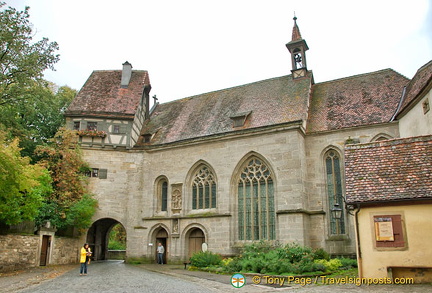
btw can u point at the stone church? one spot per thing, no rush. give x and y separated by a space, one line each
259 161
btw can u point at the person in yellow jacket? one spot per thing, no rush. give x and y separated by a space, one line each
84 258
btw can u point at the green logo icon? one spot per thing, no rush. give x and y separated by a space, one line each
238 280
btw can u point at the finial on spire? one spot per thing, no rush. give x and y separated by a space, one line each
296 31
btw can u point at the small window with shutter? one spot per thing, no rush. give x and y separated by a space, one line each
103 173
389 231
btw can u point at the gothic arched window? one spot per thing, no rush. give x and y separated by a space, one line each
162 194
334 190
256 214
203 189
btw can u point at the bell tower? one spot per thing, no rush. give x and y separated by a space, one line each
297 47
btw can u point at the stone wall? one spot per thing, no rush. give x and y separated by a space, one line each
23 251
66 250
129 194
18 252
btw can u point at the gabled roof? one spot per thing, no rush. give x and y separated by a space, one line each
421 80
102 95
268 102
391 170
355 101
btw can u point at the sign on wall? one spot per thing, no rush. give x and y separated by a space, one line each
383 229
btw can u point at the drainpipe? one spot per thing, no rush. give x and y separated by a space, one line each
359 254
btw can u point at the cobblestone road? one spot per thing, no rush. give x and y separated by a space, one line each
116 276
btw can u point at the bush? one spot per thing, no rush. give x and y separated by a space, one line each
266 258
205 259
295 253
330 265
234 265
321 254
348 263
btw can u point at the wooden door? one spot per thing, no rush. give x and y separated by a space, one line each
46 243
196 240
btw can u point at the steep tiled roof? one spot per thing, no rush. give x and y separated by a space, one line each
354 101
269 102
102 94
399 169
420 81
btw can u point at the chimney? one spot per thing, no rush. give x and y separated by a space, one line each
126 74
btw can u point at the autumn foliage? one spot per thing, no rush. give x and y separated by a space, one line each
70 203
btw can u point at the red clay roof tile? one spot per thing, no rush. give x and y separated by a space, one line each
271 102
354 101
419 82
102 94
398 169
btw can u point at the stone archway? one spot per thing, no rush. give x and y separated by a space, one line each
97 237
161 236
194 241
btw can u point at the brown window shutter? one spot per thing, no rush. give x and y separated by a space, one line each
399 240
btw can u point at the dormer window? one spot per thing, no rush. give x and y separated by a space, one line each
147 137
240 119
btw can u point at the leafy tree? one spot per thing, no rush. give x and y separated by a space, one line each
22 61
117 238
22 185
38 117
70 203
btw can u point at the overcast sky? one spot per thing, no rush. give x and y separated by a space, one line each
192 47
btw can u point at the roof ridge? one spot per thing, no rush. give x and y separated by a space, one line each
423 67
228 88
119 70
390 142
362 74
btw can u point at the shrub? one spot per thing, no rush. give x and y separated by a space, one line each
321 254
348 263
330 265
233 266
294 252
205 259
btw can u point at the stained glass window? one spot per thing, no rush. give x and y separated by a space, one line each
334 190
164 196
203 189
256 213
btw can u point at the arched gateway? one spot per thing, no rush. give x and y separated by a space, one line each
98 235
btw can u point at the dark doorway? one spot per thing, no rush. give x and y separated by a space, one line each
98 237
161 237
196 240
46 244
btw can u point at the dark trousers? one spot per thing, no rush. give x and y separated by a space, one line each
160 258
83 269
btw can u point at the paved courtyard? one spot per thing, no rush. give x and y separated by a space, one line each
116 276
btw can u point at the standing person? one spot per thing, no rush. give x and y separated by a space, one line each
83 259
160 252
89 253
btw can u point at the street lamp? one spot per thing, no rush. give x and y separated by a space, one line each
336 212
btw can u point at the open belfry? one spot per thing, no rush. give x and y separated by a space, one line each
259 161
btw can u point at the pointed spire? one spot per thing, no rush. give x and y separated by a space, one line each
296 31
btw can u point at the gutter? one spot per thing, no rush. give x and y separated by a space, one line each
399 105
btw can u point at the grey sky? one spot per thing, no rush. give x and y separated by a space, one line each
191 47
